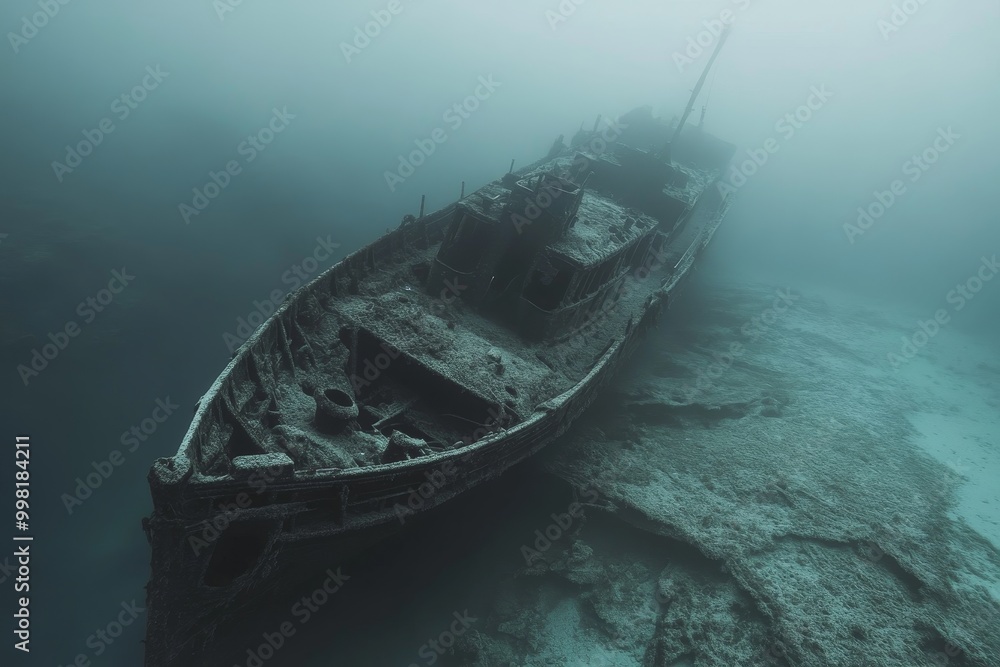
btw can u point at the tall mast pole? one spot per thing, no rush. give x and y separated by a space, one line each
696 91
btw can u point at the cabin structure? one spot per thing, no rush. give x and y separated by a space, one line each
548 253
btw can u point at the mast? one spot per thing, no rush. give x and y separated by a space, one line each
695 92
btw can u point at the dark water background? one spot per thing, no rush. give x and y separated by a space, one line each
163 335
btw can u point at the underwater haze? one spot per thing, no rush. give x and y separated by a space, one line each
181 162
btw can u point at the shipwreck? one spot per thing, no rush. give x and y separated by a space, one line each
426 363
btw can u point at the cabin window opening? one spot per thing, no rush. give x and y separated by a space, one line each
548 283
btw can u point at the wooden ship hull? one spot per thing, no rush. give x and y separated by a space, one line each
423 365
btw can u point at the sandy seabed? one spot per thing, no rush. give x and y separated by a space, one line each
765 488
